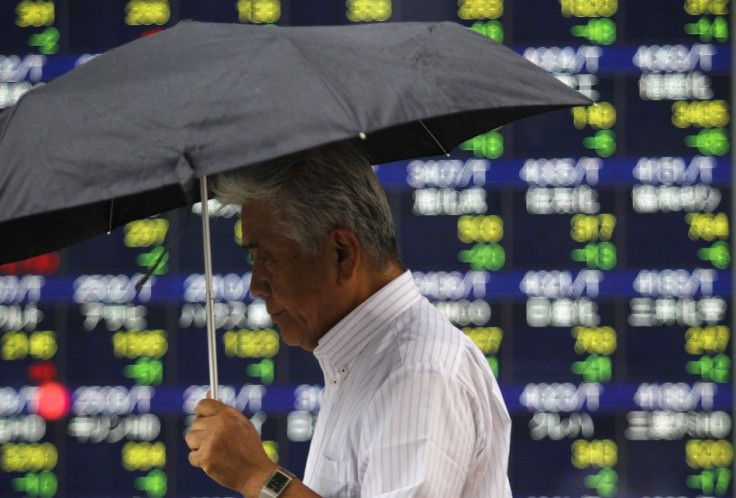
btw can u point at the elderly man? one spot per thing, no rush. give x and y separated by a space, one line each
410 405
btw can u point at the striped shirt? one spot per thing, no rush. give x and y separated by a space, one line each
410 407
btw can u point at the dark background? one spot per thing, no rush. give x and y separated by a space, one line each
531 358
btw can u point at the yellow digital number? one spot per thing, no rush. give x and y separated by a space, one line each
143 455
708 453
700 7
34 13
594 340
591 227
707 340
140 343
479 9
601 115
28 457
272 450
480 228
488 339
594 453
246 343
259 11
238 233
707 226
588 8
703 114
368 10
14 346
42 344
144 233
146 12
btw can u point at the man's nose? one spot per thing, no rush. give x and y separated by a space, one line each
259 286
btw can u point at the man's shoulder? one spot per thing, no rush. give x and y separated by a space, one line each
424 336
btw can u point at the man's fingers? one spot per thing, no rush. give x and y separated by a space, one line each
193 439
207 408
199 424
194 459
198 459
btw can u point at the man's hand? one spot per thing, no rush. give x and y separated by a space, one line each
226 445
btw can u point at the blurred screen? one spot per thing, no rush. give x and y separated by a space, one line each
587 252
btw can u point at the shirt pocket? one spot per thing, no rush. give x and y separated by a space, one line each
335 478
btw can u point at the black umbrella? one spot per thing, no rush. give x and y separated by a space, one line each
134 131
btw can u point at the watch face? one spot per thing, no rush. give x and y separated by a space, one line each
277 482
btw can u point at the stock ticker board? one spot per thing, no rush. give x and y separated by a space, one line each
587 252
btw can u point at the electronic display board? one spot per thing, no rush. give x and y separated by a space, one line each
587 252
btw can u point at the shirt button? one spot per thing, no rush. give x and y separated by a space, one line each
343 370
335 382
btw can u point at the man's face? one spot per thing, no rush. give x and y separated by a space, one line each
298 288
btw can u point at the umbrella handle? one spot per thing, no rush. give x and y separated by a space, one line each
209 295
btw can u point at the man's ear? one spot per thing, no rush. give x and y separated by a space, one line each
349 252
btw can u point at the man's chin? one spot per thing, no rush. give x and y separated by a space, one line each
293 338
289 336
291 333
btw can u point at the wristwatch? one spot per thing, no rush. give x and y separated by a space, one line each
276 484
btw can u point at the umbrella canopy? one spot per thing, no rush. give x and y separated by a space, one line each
130 133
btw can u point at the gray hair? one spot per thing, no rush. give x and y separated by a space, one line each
316 191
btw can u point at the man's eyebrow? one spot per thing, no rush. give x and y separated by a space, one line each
253 244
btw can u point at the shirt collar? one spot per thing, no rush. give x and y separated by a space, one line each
339 347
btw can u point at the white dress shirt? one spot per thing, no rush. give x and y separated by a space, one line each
410 407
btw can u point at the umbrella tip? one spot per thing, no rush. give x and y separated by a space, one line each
362 135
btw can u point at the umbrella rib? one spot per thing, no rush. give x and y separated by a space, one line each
442 148
314 65
109 218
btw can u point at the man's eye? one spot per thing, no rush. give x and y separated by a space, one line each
261 259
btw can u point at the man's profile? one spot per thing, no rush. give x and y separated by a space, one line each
410 405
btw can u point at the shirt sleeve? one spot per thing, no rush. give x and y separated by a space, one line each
424 439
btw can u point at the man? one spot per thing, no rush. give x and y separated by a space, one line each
410 407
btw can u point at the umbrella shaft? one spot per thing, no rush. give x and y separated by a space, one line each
210 304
